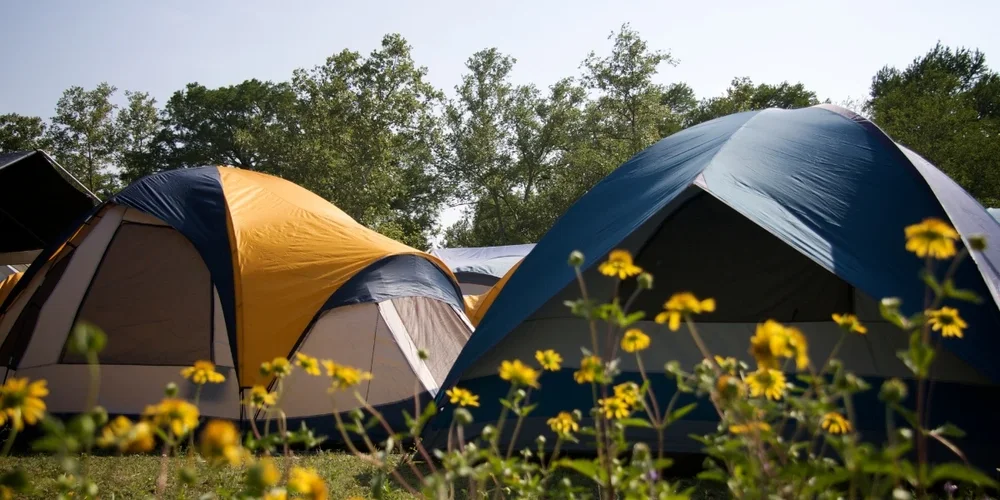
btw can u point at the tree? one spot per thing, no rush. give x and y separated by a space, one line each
634 111
22 133
138 128
83 134
743 95
505 143
368 139
241 125
945 106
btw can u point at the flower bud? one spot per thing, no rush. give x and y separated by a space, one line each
489 432
357 415
645 281
462 416
977 242
891 302
577 415
171 390
188 475
100 415
576 258
893 391
540 440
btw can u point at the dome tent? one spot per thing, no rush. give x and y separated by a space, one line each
479 268
40 199
236 267
785 214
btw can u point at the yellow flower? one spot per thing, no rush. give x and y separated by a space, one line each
462 397
835 423
797 341
220 442
21 402
728 364
615 407
343 376
767 382
850 322
308 364
260 397
263 474
681 305
770 342
619 264
276 494
307 483
176 415
947 321
752 427
127 437
6 493
931 237
519 373
203 372
730 386
278 367
634 340
591 370
549 359
564 423
629 393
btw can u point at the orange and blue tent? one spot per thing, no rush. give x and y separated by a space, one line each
235 267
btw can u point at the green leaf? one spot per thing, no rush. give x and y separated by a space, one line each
633 318
528 409
959 472
636 422
507 404
889 308
663 463
932 282
713 475
909 415
958 294
588 468
680 412
950 430
919 356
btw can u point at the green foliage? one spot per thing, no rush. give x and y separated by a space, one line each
22 133
84 138
369 139
744 95
946 107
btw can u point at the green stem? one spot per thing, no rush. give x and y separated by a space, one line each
517 426
95 380
10 441
494 443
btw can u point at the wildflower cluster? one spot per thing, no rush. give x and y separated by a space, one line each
787 424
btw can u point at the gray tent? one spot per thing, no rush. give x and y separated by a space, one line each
479 268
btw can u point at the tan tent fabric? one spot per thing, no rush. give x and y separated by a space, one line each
152 296
7 284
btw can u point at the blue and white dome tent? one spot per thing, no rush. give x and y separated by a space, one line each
784 214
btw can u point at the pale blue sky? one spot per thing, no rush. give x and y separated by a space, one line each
833 47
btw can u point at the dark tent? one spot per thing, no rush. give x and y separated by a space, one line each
784 214
40 200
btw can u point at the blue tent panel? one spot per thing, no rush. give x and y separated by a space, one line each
826 182
488 261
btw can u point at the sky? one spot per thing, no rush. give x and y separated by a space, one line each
833 47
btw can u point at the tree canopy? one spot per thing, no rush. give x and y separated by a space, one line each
371 134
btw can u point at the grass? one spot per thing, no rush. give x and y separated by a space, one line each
134 476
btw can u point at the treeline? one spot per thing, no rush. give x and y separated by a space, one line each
370 134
